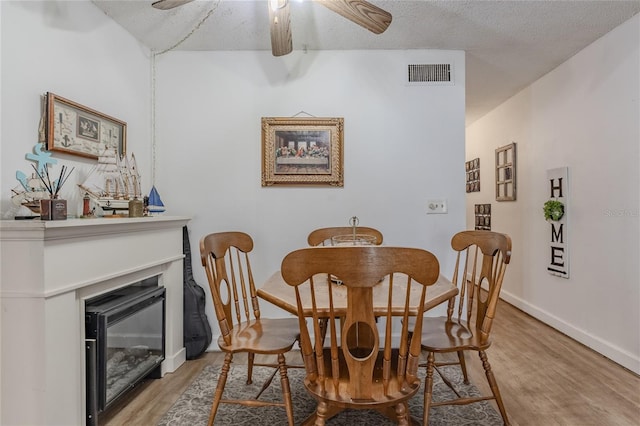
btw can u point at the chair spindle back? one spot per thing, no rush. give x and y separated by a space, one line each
322 236
359 352
481 263
225 257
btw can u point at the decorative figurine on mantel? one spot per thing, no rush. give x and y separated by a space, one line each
154 202
38 190
114 184
87 211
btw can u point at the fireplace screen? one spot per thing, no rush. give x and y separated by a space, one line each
125 342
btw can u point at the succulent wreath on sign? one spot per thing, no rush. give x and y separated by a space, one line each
553 210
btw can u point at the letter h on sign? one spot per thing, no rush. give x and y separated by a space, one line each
556 188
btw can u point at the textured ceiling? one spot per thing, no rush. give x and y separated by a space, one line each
508 44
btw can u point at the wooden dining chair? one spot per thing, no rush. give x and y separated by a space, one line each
322 236
481 263
360 368
225 257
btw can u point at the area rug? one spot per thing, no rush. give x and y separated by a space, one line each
193 406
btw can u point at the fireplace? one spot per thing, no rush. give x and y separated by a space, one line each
49 270
124 342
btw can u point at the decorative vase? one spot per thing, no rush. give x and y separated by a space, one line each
53 209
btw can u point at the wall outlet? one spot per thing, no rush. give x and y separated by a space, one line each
436 206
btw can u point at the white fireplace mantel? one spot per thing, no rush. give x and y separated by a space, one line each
47 271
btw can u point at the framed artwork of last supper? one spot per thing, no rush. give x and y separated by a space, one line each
302 151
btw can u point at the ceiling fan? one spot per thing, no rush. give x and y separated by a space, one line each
360 12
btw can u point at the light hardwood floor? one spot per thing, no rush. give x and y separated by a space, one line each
545 378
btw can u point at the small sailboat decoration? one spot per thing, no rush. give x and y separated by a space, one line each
31 188
29 193
155 202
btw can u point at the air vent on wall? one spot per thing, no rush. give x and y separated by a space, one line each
426 74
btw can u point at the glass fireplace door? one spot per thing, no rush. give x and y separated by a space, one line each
127 327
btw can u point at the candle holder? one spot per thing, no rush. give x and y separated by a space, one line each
353 239
136 208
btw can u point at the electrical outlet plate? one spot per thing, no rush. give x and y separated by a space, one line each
436 206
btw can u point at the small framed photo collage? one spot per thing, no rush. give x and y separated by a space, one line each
472 169
483 217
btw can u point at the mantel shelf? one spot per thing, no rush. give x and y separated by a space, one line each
72 228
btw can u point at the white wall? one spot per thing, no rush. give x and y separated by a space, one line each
402 145
74 50
583 115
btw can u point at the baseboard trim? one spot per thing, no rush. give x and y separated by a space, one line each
171 363
614 353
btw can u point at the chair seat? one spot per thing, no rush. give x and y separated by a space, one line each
440 335
397 390
262 336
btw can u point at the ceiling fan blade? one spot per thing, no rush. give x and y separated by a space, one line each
280 23
169 4
361 12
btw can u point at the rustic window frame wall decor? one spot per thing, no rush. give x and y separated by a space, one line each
302 151
78 130
506 173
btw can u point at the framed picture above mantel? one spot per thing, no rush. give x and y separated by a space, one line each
302 151
79 130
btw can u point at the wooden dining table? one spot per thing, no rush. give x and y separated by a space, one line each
276 291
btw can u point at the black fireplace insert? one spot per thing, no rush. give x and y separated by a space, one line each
125 342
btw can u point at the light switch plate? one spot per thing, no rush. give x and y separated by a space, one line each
436 206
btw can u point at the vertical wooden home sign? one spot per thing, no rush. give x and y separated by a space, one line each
558 187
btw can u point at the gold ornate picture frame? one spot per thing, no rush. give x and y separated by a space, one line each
302 151
79 130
